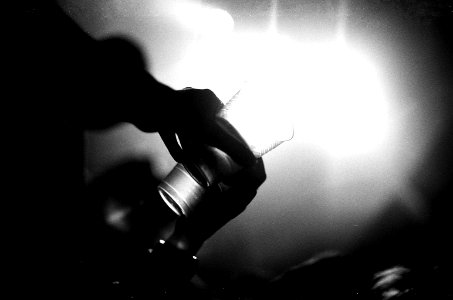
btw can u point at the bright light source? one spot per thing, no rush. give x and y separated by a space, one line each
201 19
258 119
332 92
341 105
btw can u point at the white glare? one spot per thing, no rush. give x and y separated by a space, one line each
258 119
202 19
332 93
342 105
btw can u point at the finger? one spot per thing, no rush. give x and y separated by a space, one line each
199 104
251 178
223 136
202 107
170 140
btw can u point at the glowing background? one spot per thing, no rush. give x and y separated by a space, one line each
362 119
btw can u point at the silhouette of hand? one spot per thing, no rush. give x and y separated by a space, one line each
196 124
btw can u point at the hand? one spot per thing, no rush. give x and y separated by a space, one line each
196 125
225 202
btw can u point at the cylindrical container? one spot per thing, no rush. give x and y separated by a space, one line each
180 190
261 127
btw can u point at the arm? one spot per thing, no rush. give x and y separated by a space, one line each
91 84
